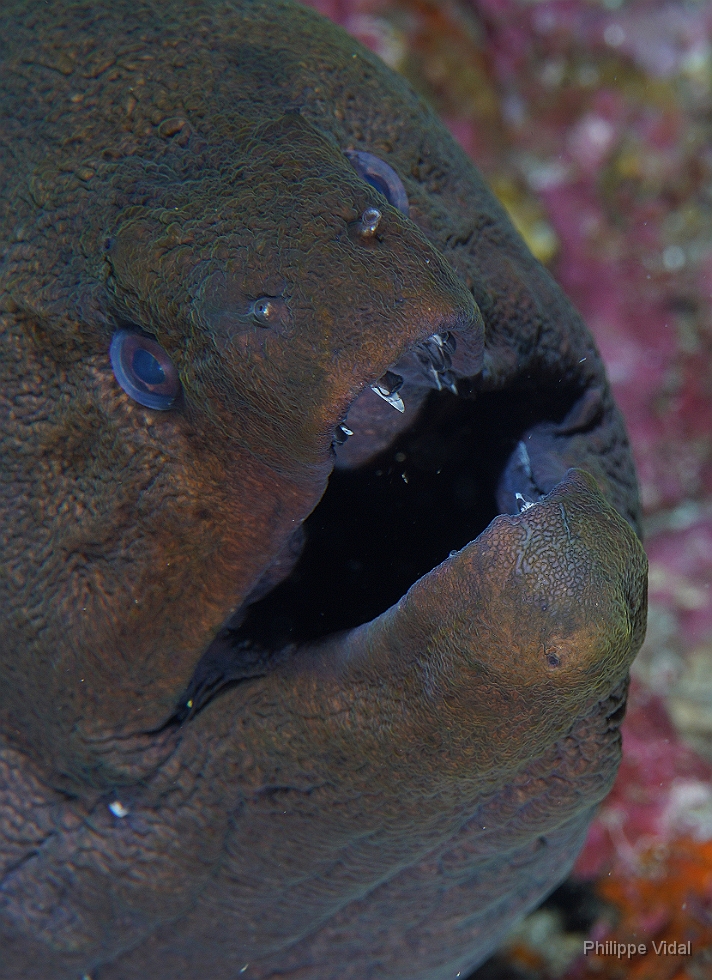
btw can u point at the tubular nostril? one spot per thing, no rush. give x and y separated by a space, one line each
369 222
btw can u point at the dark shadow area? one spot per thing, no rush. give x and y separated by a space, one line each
381 527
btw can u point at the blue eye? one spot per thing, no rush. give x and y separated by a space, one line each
147 368
381 176
144 370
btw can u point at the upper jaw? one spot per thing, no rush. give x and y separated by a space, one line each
447 360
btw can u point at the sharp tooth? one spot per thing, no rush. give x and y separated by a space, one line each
447 378
392 397
444 379
439 358
387 388
341 434
433 353
444 340
522 502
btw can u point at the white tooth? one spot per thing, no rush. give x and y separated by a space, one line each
447 378
347 432
436 376
392 397
522 502
524 461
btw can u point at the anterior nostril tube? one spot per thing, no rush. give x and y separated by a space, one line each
370 220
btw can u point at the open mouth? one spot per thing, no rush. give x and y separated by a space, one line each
420 467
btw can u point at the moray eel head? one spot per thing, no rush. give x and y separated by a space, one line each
321 576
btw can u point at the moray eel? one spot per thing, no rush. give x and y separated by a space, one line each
320 568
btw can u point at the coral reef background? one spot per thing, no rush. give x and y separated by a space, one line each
592 122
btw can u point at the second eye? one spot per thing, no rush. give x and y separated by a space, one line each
381 176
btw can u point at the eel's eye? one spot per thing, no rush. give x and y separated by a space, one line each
144 370
380 175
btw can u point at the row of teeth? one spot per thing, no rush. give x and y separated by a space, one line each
435 355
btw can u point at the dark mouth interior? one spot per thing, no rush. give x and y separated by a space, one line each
382 526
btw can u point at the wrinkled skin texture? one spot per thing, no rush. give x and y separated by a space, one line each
380 803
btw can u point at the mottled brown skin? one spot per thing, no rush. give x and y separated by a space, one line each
386 802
